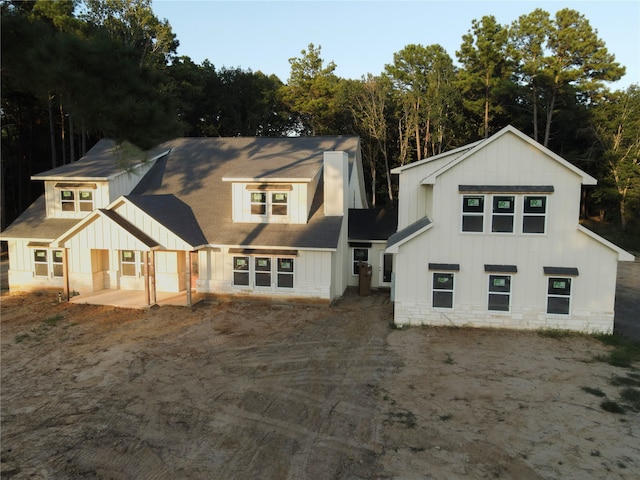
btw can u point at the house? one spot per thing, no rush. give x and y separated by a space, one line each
259 217
488 235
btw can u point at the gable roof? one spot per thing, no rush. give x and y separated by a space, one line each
623 255
407 233
586 179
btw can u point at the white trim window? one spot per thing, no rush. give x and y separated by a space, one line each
534 214
359 255
269 204
499 297
241 271
442 290
262 271
76 200
258 203
559 296
128 263
473 213
285 272
503 214
279 203
48 262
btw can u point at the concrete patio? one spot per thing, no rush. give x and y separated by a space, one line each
134 298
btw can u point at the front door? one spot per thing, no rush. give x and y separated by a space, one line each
386 268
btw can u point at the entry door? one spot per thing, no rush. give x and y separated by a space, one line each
386 267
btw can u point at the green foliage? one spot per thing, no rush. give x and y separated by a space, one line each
624 354
594 391
611 406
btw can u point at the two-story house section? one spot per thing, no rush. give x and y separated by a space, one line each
488 235
225 216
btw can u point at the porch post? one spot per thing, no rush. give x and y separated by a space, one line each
65 273
188 254
152 277
147 278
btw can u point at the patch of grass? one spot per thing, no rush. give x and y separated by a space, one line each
625 352
39 332
448 360
594 391
21 337
53 321
556 333
406 418
632 396
630 380
611 406
446 417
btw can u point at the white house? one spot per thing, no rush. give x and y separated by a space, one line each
488 235
228 216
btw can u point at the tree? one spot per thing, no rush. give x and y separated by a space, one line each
578 60
616 125
528 36
310 91
486 69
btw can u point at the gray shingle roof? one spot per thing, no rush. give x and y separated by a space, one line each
32 224
408 231
194 170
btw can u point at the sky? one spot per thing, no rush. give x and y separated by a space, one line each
361 36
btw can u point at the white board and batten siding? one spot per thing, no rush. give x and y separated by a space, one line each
312 275
507 162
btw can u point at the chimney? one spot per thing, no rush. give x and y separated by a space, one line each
336 183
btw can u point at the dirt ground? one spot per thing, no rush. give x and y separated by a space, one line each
262 391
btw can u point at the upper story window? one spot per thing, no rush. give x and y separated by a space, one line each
76 198
473 213
534 214
273 203
503 214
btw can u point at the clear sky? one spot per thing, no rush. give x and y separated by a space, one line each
360 37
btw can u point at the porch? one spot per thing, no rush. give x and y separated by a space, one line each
135 298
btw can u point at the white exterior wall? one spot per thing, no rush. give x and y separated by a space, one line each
170 268
21 275
125 182
312 276
54 205
508 161
376 266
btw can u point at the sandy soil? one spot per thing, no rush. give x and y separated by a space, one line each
243 391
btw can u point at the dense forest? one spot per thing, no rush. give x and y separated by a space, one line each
74 71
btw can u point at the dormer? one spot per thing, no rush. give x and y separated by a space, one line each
76 189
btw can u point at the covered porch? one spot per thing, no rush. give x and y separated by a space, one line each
136 298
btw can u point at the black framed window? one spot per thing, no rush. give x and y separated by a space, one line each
241 271
499 293
262 268
534 214
473 213
442 290
285 272
503 214
559 296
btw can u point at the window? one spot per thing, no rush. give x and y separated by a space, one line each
285 272
442 290
57 263
503 213
241 270
41 263
258 203
67 199
534 214
263 271
85 202
359 255
559 296
279 203
473 213
499 292
76 200
128 263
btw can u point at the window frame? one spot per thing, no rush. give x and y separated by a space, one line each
285 273
77 203
40 263
241 269
270 206
473 214
129 263
275 204
496 215
534 215
495 291
54 267
355 271
261 205
447 291
262 272
556 295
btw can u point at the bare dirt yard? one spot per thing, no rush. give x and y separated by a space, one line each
266 391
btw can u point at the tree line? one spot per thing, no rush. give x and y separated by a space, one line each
74 71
